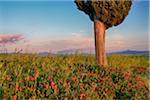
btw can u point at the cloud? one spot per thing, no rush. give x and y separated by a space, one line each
114 42
10 38
119 42
77 34
73 42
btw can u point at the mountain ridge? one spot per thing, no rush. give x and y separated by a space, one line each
92 51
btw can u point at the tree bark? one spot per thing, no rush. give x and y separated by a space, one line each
99 30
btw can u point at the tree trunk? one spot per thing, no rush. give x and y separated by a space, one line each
99 29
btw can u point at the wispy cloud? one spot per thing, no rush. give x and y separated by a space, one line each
10 38
119 42
77 41
76 34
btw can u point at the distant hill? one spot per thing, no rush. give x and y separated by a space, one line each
77 51
43 53
131 52
89 51
92 51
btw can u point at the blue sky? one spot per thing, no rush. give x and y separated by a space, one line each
58 25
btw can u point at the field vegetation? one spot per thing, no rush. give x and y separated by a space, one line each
73 77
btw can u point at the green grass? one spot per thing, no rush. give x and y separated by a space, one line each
76 76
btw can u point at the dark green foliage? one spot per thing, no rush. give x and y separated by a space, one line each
1 93
110 12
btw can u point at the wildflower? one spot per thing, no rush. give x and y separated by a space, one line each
67 89
31 78
76 80
104 79
41 95
81 88
65 84
74 98
52 85
92 73
60 81
86 86
55 89
108 93
43 64
141 84
41 85
106 89
35 85
89 98
82 75
65 98
46 85
36 75
56 70
96 89
49 78
129 84
127 76
20 89
88 75
82 95
99 80
17 87
110 83
69 85
47 95
15 97
34 97
102 73
93 83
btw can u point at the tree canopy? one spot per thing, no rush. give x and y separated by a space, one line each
110 12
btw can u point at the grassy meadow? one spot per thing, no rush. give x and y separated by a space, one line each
73 77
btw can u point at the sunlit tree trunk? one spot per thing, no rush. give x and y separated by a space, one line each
99 29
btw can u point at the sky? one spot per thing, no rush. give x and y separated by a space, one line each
37 26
